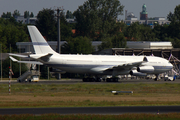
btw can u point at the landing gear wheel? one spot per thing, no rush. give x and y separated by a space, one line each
98 80
108 80
112 80
84 79
115 79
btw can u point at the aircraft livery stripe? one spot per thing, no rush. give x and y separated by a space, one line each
108 66
40 43
78 65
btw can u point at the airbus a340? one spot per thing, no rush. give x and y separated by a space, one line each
97 65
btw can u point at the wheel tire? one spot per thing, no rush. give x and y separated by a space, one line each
108 80
98 80
84 79
115 79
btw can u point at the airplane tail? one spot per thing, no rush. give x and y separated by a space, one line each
39 43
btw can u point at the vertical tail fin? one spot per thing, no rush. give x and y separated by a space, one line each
39 43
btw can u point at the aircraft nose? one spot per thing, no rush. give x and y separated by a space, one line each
171 66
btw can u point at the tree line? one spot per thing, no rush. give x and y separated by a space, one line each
96 20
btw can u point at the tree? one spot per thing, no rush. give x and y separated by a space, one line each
106 43
139 32
174 27
26 14
133 32
6 15
116 41
170 16
119 41
66 30
11 32
161 32
15 68
78 45
69 15
31 15
147 33
46 23
175 42
16 13
176 14
95 18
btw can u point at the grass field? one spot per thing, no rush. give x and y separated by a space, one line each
170 116
83 95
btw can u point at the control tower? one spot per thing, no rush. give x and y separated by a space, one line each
143 14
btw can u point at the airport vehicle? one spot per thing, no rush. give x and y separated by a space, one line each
29 76
97 65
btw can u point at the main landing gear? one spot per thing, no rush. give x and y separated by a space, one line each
89 79
94 79
113 79
156 79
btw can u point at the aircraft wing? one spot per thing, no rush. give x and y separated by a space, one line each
127 66
122 67
31 62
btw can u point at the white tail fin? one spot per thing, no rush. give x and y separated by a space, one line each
39 43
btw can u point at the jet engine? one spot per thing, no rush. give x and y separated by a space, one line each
145 69
136 73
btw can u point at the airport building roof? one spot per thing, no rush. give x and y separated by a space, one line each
149 44
25 47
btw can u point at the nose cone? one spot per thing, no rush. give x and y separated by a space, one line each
170 66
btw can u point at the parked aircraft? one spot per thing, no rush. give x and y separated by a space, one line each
97 65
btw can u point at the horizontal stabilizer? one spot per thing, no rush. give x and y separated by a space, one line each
18 55
13 59
30 62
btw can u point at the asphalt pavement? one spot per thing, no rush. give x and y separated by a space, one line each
93 110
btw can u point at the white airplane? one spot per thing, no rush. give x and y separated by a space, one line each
97 65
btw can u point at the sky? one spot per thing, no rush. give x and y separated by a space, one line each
155 8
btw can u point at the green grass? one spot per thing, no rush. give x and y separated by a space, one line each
92 89
169 116
88 91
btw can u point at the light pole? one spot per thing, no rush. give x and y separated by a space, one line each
59 30
1 62
59 33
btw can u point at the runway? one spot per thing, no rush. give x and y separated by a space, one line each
93 110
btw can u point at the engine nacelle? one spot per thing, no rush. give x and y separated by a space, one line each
136 73
145 69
